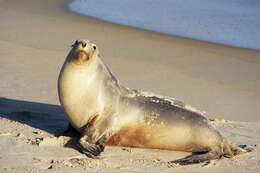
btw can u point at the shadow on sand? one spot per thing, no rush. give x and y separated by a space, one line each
47 117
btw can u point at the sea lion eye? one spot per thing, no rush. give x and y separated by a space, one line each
84 44
94 47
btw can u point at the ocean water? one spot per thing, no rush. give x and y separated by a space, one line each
230 22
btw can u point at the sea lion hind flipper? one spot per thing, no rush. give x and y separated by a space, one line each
228 150
197 158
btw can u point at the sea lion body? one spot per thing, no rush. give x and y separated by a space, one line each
98 106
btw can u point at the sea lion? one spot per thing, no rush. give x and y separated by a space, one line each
105 112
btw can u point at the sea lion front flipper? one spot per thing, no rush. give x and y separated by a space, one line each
197 158
92 149
93 139
71 131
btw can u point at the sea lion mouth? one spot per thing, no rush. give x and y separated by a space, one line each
81 56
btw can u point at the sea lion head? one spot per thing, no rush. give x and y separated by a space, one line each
83 52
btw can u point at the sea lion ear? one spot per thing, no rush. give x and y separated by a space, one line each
76 43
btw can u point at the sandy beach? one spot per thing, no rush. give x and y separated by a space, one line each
35 37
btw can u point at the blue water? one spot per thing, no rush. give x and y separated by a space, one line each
230 22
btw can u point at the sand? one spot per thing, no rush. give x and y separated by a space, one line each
35 37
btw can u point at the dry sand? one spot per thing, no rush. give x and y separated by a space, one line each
35 36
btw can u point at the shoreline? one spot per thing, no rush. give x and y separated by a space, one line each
228 49
151 30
